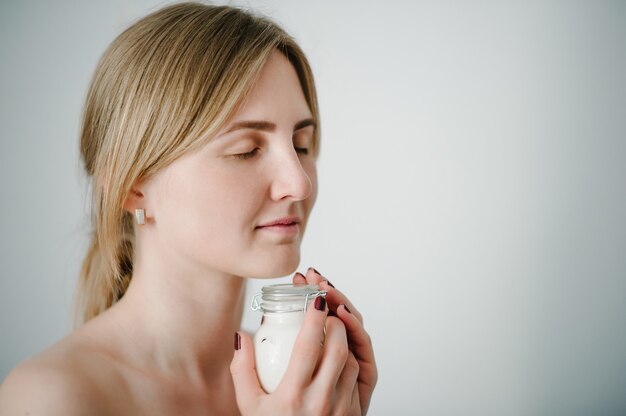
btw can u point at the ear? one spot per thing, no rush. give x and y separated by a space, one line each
135 198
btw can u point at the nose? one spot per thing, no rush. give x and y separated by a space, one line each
290 179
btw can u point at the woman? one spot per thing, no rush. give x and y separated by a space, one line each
200 127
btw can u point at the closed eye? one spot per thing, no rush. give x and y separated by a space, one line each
244 156
251 154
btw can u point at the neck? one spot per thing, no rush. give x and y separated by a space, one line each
181 322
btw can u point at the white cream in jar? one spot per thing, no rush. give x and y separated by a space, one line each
283 307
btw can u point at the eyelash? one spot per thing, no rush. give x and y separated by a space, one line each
244 156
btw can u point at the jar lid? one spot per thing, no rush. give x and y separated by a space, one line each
285 297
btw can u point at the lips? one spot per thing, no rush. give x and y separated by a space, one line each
282 221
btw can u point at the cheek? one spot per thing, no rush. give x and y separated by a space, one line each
206 203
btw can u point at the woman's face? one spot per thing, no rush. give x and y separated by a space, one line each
206 207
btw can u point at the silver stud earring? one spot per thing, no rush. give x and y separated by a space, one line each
140 216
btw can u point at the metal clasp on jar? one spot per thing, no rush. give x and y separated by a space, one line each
256 306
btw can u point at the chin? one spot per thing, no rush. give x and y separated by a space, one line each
276 267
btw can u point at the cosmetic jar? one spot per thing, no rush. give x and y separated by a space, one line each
283 307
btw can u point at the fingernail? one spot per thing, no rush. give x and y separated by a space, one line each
346 308
330 284
331 313
301 275
311 268
237 341
320 303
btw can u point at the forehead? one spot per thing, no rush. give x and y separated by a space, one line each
276 94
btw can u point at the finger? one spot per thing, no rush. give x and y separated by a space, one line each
313 277
299 279
335 297
307 347
363 350
347 383
242 368
355 404
358 338
334 356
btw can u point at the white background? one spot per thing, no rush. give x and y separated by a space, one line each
472 190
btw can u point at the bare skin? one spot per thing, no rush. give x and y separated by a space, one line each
94 371
166 347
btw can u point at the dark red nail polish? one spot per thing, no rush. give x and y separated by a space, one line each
311 268
331 313
237 341
330 284
301 275
346 307
320 303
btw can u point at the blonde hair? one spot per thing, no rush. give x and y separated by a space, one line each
164 87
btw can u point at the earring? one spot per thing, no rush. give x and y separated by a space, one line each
140 216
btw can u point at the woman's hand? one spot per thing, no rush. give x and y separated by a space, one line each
329 389
359 340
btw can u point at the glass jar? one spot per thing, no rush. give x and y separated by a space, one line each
283 306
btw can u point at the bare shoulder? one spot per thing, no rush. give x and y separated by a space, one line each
62 380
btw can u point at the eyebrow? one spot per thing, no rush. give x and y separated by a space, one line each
266 125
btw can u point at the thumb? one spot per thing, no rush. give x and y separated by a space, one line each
243 369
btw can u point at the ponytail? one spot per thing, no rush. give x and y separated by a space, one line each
103 282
